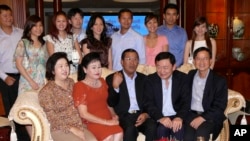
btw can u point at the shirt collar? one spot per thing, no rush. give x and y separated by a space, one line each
129 31
169 79
127 77
197 75
166 28
14 29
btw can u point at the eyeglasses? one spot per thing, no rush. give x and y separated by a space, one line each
130 59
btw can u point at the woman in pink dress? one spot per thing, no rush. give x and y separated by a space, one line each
154 43
90 96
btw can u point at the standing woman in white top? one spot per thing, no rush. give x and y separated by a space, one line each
60 39
200 38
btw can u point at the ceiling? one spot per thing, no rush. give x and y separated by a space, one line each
103 5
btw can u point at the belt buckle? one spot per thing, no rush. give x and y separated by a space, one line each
199 113
132 111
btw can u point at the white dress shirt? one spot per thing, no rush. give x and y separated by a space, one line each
121 42
8 44
167 105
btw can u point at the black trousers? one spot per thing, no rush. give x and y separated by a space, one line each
9 95
148 128
204 130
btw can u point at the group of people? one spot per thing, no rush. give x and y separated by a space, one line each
165 104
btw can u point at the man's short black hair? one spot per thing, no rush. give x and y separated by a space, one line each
4 7
123 11
202 49
73 11
165 55
171 6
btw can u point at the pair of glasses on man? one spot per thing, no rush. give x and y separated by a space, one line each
129 59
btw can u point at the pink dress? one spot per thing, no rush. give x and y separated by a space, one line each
151 52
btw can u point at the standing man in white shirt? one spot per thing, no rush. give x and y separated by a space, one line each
75 16
9 75
126 38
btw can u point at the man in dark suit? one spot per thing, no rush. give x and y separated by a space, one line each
209 99
169 97
127 98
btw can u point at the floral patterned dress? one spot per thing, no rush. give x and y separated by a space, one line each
35 64
64 45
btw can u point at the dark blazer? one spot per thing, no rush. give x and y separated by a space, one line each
120 101
214 100
181 97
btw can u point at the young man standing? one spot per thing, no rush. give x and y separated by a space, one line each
126 38
176 35
9 37
75 16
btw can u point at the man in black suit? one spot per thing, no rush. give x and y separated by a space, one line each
127 98
209 99
169 97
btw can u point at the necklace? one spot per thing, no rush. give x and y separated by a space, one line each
91 83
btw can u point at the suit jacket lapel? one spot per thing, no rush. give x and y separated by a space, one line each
138 90
159 93
124 89
207 89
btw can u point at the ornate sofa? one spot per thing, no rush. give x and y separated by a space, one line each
27 110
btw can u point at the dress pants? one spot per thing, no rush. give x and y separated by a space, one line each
204 130
164 132
9 95
127 122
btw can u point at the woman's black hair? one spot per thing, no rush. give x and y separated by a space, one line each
86 60
50 65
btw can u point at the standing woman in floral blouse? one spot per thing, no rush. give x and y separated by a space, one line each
60 39
97 40
30 57
57 102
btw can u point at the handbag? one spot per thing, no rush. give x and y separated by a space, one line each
74 54
25 62
190 58
26 56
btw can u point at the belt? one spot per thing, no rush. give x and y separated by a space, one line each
196 112
133 111
13 74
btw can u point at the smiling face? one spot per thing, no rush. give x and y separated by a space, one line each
164 68
202 61
125 20
61 69
6 18
93 70
152 25
61 22
170 17
76 21
37 30
98 27
200 30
